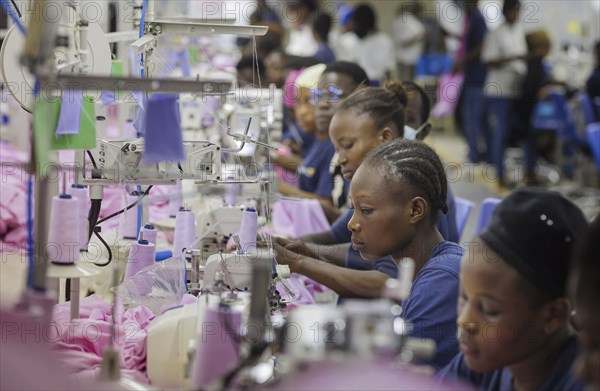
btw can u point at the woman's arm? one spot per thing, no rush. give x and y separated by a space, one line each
345 282
292 191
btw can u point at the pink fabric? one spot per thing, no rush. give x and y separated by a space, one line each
295 218
303 295
284 175
447 95
13 199
290 90
304 290
80 343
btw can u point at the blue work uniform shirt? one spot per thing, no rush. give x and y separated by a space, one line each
314 174
559 378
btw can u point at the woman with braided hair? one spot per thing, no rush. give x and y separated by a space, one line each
396 195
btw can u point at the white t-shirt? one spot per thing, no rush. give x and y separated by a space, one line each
505 41
344 46
375 53
407 28
302 43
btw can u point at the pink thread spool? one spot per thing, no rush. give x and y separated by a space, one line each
80 192
63 235
141 255
129 219
175 199
149 233
218 352
248 229
185 231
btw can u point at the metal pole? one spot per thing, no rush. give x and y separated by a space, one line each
43 195
74 298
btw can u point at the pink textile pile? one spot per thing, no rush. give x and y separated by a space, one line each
298 217
304 290
13 198
80 343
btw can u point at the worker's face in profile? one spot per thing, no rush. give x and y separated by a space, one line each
353 137
275 68
305 111
333 88
413 115
380 221
502 317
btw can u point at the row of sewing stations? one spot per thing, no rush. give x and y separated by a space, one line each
149 274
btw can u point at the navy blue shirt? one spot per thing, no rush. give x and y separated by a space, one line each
475 71
324 54
559 378
593 90
431 305
314 173
385 265
291 131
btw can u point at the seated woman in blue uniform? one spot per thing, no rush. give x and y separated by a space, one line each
364 120
397 193
513 313
584 290
314 178
416 114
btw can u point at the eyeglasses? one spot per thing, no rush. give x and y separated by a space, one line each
331 95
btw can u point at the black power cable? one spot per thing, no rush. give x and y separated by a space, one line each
89 153
16 8
128 207
107 249
94 222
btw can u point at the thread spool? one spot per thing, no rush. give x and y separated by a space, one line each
185 231
216 356
231 191
175 199
129 131
80 192
141 255
129 219
248 229
149 233
63 233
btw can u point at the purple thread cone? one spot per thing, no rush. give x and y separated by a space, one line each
216 348
63 233
80 192
185 231
149 233
248 230
141 255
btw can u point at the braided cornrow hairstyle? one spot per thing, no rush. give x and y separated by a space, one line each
385 105
414 164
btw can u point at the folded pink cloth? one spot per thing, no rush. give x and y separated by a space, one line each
80 343
299 217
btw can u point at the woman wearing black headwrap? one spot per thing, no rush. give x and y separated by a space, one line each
513 314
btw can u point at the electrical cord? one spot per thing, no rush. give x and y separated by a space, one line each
16 8
128 207
107 249
93 216
89 153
